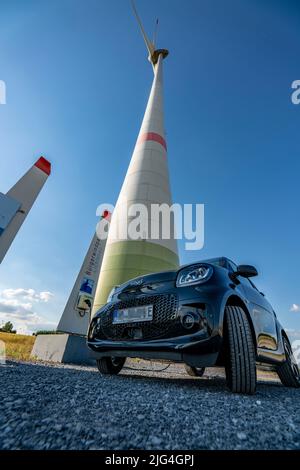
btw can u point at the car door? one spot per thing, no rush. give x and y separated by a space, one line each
262 315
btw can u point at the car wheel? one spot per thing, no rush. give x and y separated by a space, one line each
240 352
288 372
194 371
110 365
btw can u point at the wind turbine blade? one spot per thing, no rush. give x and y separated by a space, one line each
148 43
19 200
155 33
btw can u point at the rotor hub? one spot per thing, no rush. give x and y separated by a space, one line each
156 54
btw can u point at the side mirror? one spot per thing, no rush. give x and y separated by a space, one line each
245 270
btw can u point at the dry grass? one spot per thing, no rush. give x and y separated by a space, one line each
17 346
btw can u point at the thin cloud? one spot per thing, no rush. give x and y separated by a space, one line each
27 294
13 306
18 306
295 308
46 296
27 323
293 333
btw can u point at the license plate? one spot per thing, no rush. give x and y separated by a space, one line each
132 315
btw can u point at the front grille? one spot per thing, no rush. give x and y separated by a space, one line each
165 322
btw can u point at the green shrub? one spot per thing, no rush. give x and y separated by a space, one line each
46 332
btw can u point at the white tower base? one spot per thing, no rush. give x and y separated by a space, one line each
71 348
62 348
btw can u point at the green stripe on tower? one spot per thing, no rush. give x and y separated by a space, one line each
129 259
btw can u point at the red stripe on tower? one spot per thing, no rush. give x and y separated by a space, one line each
154 137
43 165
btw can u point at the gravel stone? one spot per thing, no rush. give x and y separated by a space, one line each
56 406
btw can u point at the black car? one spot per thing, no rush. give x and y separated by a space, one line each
205 314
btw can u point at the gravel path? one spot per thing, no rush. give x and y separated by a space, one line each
46 406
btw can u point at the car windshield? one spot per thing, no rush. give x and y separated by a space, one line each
223 262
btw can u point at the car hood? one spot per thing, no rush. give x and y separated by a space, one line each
147 279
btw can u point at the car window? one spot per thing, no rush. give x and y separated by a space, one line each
223 263
232 267
216 261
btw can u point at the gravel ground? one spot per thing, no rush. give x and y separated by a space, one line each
45 406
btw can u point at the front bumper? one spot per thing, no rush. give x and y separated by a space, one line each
199 347
195 350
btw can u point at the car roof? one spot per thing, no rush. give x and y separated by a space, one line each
222 261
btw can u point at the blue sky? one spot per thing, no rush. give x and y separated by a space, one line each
77 84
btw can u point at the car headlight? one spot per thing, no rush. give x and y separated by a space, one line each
194 275
111 294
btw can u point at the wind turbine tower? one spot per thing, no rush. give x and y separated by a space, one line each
147 183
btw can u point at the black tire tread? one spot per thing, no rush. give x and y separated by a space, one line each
241 366
286 376
106 366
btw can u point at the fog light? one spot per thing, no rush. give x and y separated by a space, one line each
188 321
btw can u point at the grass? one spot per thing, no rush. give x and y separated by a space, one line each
17 346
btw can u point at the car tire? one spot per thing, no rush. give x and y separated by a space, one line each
288 372
110 365
240 364
194 371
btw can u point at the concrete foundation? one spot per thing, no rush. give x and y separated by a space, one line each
63 348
